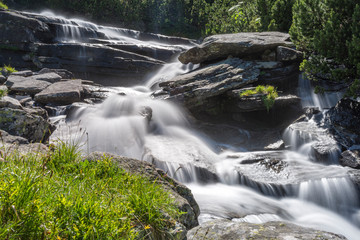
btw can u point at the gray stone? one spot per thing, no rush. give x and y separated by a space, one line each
63 73
230 230
268 65
27 85
194 88
3 88
25 124
50 77
350 158
25 73
2 79
255 103
65 92
9 102
243 45
286 54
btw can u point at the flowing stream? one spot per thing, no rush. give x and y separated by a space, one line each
130 122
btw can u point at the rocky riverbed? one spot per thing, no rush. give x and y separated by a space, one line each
190 121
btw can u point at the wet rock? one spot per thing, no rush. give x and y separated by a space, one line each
279 145
195 88
9 102
286 54
230 230
65 92
182 195
26 85
241 45
146 112
26 124
351 158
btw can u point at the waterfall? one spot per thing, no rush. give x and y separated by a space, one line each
232 183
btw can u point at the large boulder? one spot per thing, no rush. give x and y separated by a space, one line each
195 88
351 158
64 92
25 123
229 230
182 195
253 45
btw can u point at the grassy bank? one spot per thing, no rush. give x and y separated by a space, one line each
60 196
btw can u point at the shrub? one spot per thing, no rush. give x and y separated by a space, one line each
7 69
268 92
3 6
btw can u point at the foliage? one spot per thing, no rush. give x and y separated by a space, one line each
3 6
60 196
3 92
7 69
269 94
328 31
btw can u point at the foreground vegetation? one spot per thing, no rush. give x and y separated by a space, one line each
269 94
60 196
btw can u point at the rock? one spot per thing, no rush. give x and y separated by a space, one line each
350 158
286 54
181 194
268 65
255 102
25 73
17 28
242 45
146 112
194 88
63 73
65 92
50 77
3 88
25 124
2 79
230 230
279 145
10 143
346 114
25 85
9 102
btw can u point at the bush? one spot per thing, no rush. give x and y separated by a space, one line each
328 31
61 196
268 92
3 6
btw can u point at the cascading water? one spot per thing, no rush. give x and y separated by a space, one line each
130 122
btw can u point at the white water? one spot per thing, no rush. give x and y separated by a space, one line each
309 194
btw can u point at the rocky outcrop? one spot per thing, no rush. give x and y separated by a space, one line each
197 87
229 230
182 195
88 50
261 46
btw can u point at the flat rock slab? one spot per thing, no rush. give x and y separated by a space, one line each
236 45
48 77
27 85
65 92
195 87
10 102
230 230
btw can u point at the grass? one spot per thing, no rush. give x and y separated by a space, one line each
61 196
3 6
269 94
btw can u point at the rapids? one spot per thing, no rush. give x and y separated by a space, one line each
308 193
